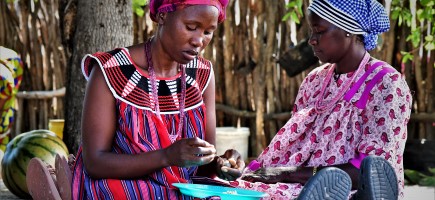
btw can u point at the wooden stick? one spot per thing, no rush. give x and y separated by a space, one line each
41 94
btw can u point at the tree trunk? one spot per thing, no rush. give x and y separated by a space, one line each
101 26
430 93
259 77
270 64
9 21
231 89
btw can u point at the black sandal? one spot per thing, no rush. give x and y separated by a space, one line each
377 180
328 183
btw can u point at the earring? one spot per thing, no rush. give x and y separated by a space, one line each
347 34
160 21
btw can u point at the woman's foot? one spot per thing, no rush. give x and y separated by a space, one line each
63 177
377 180
45 182
40 183
328 183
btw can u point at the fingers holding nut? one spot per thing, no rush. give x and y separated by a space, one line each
227 163
233 163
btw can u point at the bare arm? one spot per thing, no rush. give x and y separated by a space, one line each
98 132
210 104
210 128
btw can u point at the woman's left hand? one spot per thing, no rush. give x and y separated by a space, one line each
230 165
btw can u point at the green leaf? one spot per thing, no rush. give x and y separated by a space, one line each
420 14
427 3
428 38
407 17
299 3
291 4
431 170
406 56
427 181
413 176
137 7
295 11
140 2
430 46
424 2
294 17
139 12
414 37
395 14
286 17
300 11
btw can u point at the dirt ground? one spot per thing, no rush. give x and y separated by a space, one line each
411 193
4 192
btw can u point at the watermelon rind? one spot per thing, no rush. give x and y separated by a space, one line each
43 144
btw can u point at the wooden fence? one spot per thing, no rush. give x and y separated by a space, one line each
36 98
252 89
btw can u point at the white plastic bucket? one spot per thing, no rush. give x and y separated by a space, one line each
232 138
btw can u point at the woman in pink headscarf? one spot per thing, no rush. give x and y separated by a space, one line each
149 110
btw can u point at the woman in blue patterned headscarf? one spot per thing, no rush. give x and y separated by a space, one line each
360 17
348 126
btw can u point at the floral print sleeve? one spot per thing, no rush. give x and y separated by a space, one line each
301 99
308 89
384 120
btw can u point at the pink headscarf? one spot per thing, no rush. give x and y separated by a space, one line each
159 6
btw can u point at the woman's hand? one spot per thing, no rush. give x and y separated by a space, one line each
269 175
230 165
190 152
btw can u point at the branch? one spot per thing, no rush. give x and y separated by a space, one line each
41 94
251 114
415 117
423 117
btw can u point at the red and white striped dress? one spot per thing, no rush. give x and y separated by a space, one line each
138 128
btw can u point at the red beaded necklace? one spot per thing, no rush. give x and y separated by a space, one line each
155 99
322 106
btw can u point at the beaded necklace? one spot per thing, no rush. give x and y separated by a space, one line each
322 106
153 80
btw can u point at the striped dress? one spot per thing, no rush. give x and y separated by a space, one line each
138 128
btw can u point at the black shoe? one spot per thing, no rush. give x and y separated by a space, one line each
328 183
377 180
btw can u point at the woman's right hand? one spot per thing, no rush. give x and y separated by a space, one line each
269 175
190 152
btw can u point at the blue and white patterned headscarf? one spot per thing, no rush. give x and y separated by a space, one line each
365 17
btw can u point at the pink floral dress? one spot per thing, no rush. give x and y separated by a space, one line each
370 117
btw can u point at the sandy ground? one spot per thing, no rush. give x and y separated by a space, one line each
411 193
